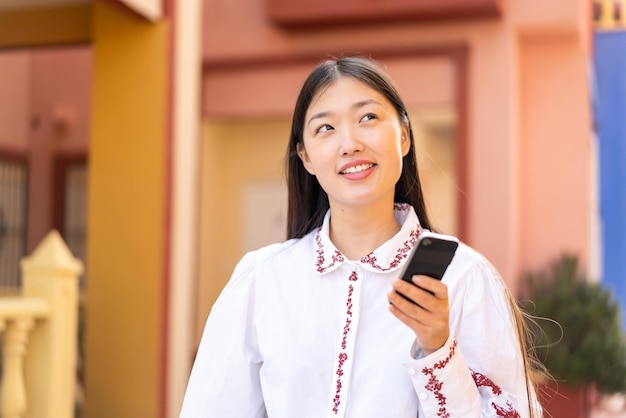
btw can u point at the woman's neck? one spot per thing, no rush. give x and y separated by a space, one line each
357 232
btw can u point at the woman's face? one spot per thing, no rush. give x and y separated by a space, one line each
353 142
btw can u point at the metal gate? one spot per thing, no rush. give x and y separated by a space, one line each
13 211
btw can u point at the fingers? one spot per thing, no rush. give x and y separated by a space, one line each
418 304
426 313
408 311
422 291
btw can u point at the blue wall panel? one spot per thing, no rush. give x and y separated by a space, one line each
610 116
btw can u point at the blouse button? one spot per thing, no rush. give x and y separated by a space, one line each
423 396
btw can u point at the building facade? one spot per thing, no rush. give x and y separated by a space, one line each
189 111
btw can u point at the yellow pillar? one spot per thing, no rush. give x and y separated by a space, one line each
124 322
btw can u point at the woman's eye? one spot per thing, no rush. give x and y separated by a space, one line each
323 128
368 117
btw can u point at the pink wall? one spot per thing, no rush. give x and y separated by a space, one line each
252 91
555 151
61 92
507 165
44 111
14 100
241 28
61 102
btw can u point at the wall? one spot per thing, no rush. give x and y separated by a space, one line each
47 24
505 163
555 151
610 67
59 121
15 104
44 114
150 9
235 153
124 350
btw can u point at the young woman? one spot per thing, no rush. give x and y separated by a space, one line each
318 326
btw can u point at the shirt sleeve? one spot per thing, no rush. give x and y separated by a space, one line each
479 372
224 380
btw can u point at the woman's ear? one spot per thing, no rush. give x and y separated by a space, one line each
405 141
306 162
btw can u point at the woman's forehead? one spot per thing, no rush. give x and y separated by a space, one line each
344 89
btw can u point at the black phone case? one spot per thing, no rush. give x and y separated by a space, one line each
431 258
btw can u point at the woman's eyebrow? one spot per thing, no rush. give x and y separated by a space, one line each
356 105
318 116
365 102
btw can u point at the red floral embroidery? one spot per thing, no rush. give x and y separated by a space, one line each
400 206
434 384
343 356
401 253
483 381
509 412
319 263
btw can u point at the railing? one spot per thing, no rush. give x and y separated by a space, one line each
609 14
38 373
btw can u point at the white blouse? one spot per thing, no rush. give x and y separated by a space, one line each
301 331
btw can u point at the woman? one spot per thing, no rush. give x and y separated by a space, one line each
321 326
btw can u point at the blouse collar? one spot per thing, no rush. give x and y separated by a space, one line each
387 257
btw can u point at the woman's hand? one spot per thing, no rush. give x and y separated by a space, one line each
428 317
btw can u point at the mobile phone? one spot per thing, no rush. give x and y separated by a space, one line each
432 254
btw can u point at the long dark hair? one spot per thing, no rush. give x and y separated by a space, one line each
307 201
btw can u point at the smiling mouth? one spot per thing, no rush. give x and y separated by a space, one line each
357 168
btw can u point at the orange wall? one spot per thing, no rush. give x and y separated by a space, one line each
124 325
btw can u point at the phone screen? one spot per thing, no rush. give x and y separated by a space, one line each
432 255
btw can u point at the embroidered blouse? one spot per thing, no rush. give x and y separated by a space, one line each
301 331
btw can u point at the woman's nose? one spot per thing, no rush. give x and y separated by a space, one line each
350 143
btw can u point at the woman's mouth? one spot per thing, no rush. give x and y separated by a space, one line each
357 168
